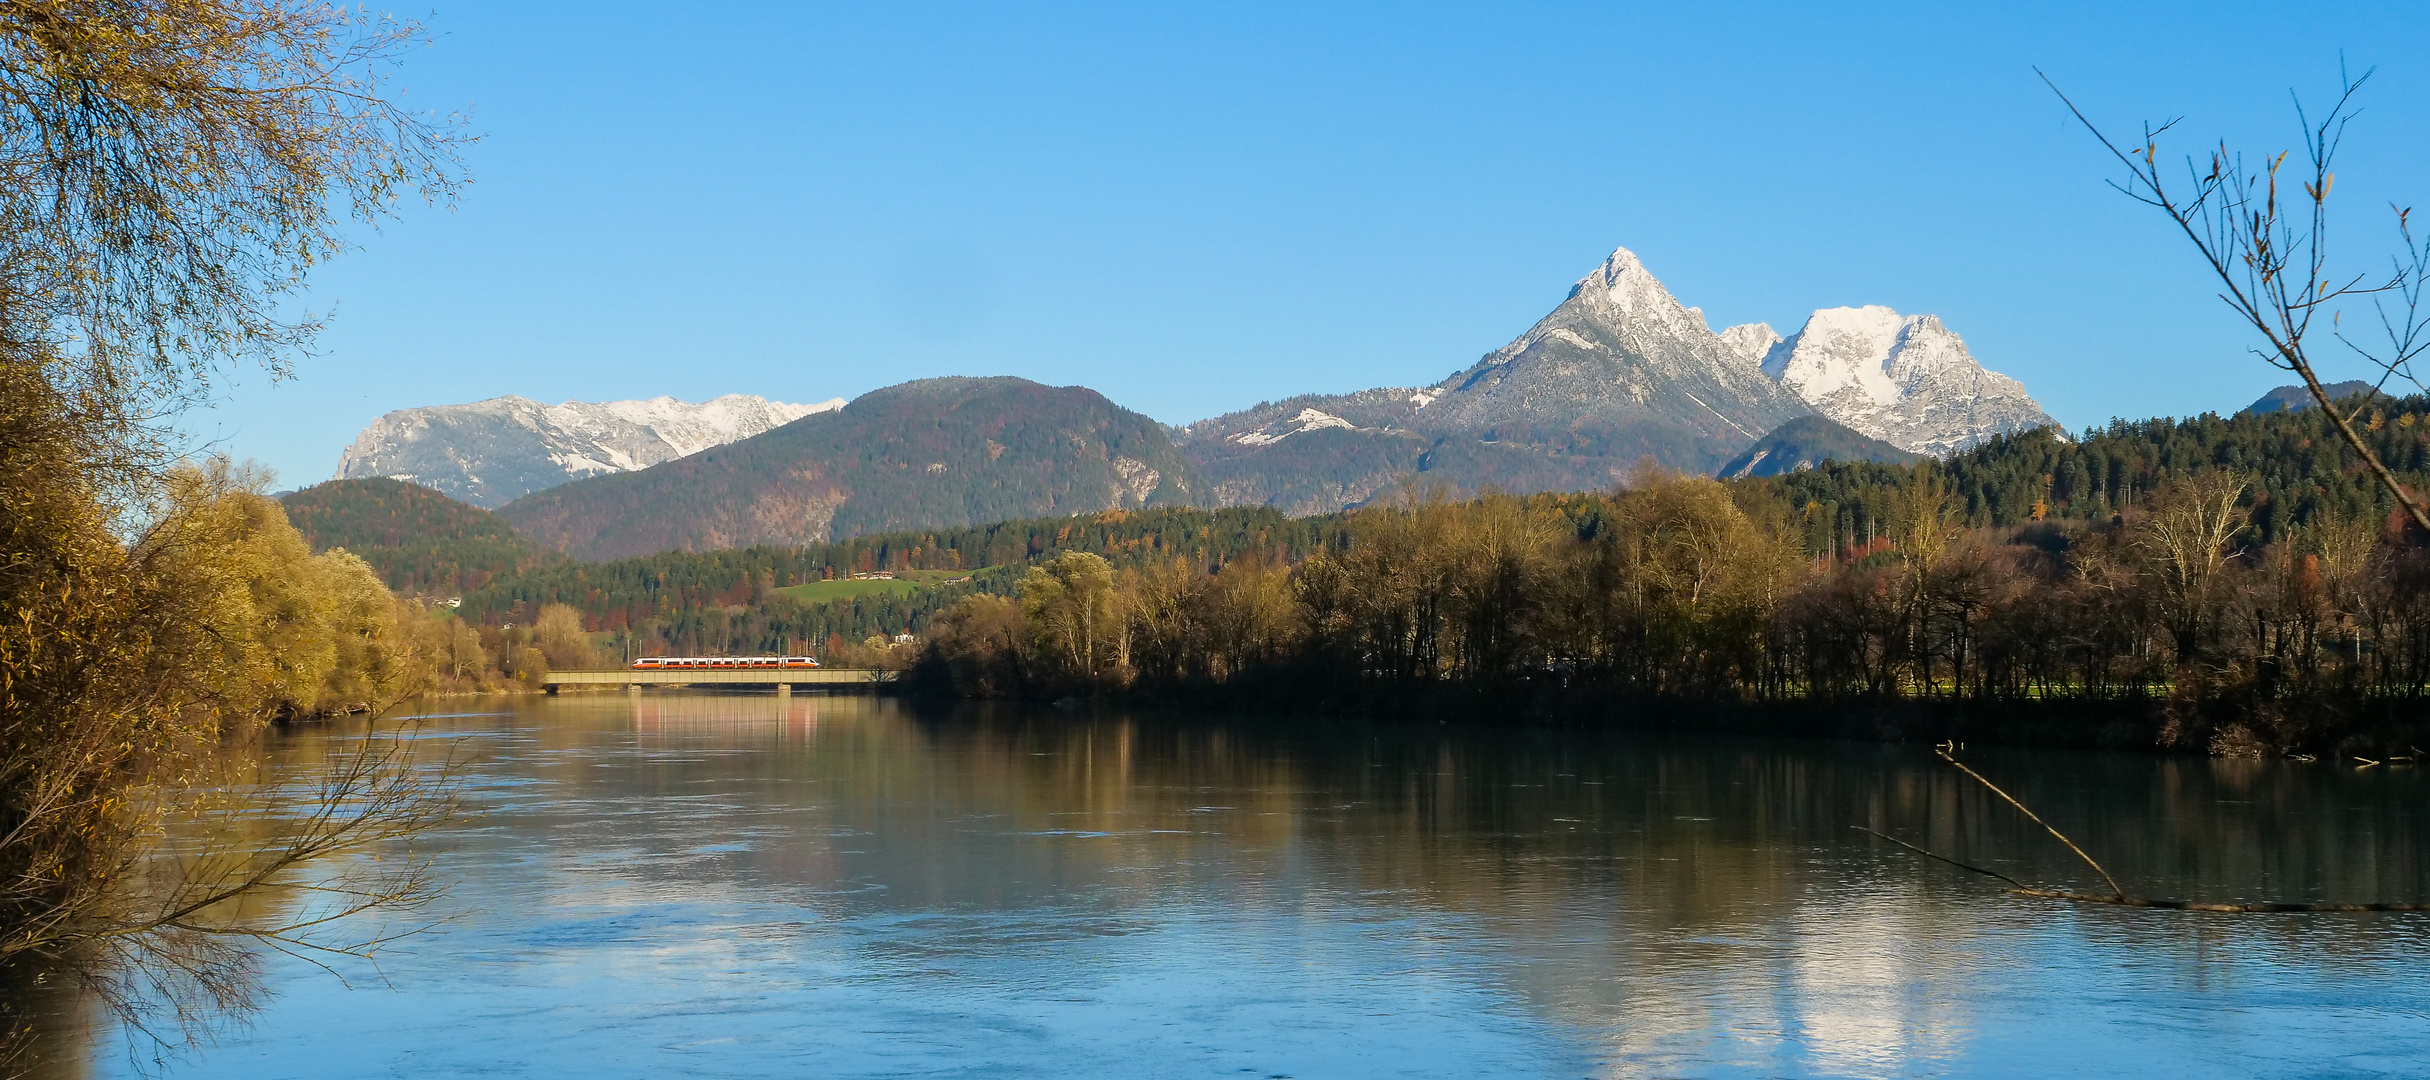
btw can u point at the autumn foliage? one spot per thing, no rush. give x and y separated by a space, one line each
1689 591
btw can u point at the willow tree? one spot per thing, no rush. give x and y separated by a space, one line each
175 168
170 173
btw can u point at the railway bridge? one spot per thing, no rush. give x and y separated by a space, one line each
783 679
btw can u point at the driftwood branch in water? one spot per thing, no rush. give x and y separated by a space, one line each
2191 905
2020 886
2117 897
2035 818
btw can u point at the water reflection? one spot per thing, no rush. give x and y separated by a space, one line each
738 885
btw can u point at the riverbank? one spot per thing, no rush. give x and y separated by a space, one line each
2374 729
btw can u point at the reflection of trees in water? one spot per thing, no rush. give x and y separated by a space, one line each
1659 890
1661 895
1688 821
301 846
55 1026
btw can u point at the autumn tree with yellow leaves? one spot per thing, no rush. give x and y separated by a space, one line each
170 171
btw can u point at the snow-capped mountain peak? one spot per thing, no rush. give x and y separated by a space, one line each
1842 349
490 452
1619 355
1904 379
1624 288
1753 341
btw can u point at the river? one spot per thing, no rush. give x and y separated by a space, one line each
739 886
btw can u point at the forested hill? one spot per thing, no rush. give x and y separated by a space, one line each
1806 442
2297 463
2296 398
927 454
731 599
419 541
422 542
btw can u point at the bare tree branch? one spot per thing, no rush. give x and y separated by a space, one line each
2117 896
2270 253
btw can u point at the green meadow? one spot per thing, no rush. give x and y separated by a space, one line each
904 583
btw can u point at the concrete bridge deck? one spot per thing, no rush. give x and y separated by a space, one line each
783 679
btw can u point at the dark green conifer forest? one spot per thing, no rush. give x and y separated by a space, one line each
2216 569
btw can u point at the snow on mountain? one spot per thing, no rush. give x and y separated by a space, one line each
1752 341
489 453
1619 372
1620 366
1387 408
1904 379
1623 357
1306 420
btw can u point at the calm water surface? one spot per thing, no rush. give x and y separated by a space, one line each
844 887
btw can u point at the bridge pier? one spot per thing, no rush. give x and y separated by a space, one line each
784 690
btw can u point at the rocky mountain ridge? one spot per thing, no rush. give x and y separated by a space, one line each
1622 354
1904 379
1618 373
1621 371
935 453
488 453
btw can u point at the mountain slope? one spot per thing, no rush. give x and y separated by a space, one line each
1621 356
1315 471
490 452
1806 443
1617 373
2296 398
419 541
1906 380
930 454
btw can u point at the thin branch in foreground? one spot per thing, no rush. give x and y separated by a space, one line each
2035 818
1929 854
2117 897
332 856
2271 255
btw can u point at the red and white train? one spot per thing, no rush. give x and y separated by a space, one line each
721 663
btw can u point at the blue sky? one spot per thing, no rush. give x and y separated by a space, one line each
1192 208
